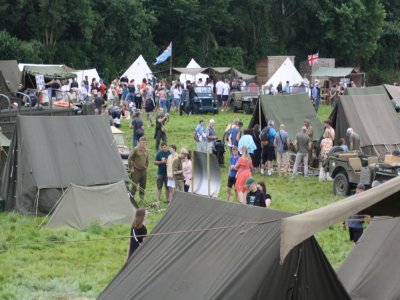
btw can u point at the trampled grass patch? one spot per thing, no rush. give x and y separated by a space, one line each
43 263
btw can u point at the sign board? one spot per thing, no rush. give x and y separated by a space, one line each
40 84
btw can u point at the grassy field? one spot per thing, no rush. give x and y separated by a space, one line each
41 263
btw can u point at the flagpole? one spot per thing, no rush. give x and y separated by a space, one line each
170 63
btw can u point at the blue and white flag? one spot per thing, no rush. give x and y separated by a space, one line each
164 56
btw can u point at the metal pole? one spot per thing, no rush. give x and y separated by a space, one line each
8 99
208 172
259 112
193 165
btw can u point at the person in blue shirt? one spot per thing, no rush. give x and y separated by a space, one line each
268 151
232 173
201 145
162 178
342 144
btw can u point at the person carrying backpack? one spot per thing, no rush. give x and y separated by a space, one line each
267 137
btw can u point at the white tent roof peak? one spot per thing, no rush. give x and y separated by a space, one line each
193 78
193 64
138 70
286 72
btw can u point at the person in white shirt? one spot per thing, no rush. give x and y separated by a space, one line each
177 96
225 94
219 89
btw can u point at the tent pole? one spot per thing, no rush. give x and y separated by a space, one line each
208 171
259 112
192 181
37 202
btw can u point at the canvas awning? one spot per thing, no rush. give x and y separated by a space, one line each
51 71
332 72
11 75
382 200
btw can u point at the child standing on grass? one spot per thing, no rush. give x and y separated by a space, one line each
138 231
232 173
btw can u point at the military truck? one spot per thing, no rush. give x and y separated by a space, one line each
245 99
349 168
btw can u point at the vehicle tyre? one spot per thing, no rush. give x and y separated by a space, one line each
233 106
215 112
246 108
341 185
195 109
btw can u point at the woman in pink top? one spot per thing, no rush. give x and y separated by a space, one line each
243 167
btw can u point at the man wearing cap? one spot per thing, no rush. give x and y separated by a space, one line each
162 178
177 170
302 140
138 163
354 140
355 222
254 196
316 94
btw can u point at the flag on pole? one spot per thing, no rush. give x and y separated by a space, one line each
164 56
313 58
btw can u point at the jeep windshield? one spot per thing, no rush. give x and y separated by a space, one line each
203 91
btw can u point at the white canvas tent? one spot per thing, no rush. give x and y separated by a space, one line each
138 70
286 72
193 78
90 73
79 206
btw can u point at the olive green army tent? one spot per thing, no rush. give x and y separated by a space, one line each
371 270
372 116
290 110
210 249
10 76
79 206
49 153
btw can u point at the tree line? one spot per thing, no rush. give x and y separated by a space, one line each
110 34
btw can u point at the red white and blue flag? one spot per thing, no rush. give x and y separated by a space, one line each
164 56
313 58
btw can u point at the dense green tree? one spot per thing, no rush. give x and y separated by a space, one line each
352 29
13 48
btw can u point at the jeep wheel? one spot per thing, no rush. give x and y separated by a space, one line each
341 186
233 106
246 108
195 109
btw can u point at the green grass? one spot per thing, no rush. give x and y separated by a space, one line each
64 270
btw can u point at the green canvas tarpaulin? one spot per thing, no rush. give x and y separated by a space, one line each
371 90
48 153
371 271
393 91
222 250
332 72
382 200
48 72
79 206
10 76
372 117
290 110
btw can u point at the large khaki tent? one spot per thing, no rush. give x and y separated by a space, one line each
49 72
382 200
371 271
48 153
370 115
290 110
10 76
214 249
79 206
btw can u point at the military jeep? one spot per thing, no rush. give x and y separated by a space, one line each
349 168
245 99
